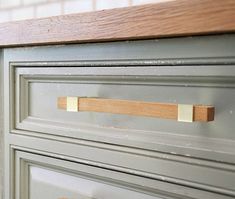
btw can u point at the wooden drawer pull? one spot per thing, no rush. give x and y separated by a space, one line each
180 112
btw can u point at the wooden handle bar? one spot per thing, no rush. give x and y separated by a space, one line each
180 112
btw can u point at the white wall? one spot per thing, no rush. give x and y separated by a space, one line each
12 10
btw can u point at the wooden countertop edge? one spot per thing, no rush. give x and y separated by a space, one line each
168 19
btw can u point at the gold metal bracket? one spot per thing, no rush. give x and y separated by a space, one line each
185 113
72 104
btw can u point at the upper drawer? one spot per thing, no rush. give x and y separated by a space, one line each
37 90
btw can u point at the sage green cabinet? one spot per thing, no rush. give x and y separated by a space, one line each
120 156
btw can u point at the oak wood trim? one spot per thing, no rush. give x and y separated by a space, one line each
167 19
201 113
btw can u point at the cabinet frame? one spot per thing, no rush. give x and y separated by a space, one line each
214 51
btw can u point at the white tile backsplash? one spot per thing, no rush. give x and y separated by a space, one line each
11 10
108 4
77 6
4 16
31 2
139 2
9 3
23 13
51 9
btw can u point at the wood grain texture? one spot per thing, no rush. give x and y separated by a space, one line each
175 18
138 108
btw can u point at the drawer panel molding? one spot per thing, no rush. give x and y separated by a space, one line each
214 140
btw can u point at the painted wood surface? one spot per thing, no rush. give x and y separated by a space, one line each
174 18
170 160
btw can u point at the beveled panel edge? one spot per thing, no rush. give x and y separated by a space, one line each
29 127
168 69
130 62
135 150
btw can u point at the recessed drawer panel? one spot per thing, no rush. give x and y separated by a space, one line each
38 176
38 89
49 184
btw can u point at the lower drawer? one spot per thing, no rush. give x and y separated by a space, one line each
48 184
49 177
